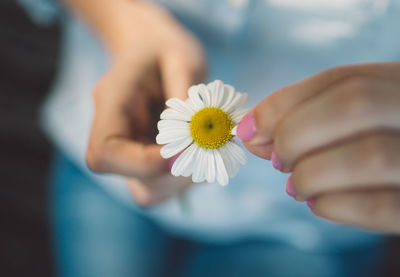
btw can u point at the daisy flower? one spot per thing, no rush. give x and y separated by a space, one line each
202 129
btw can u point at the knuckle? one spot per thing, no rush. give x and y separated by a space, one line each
381 210
358 99
301 179
378 209
143 200
380 154
357 90
144 196
144 159
95 158
285 146
357 83
308 175
282 139
361 89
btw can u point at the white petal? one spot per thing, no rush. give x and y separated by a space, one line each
180 106
216 89
193 163
240 100
229 93
172 124
211 168
232 165
170 135
234 131
190 104
183 161
200 166
205 95
195 98
237 153
244 101
222 175
175 147
175 115
237 115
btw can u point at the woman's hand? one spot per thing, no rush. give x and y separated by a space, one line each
339 133
153 58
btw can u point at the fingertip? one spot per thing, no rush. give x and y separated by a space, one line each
311 203
246 128
171 161
276 162
290 188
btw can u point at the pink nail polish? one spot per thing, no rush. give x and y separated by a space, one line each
311 203
172 161
276 162
289 187
247 127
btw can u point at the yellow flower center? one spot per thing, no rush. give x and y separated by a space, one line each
211 127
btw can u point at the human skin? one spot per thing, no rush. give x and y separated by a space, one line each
153 58
338 133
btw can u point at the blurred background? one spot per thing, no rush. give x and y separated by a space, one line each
28 65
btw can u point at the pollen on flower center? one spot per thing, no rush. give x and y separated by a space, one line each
211 127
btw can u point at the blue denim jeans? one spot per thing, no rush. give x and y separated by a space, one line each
94 235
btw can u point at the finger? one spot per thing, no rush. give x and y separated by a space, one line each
345 110
375 209
151 192
111 148
273 108
369 162
122 156
179 73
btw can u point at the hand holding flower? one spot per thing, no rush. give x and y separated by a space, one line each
338 132
153 58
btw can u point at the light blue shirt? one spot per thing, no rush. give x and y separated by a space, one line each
257 46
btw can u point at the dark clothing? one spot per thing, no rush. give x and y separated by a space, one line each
28 57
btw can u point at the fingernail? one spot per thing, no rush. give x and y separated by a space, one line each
276 162
311 203
172 161
289 187
246 128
